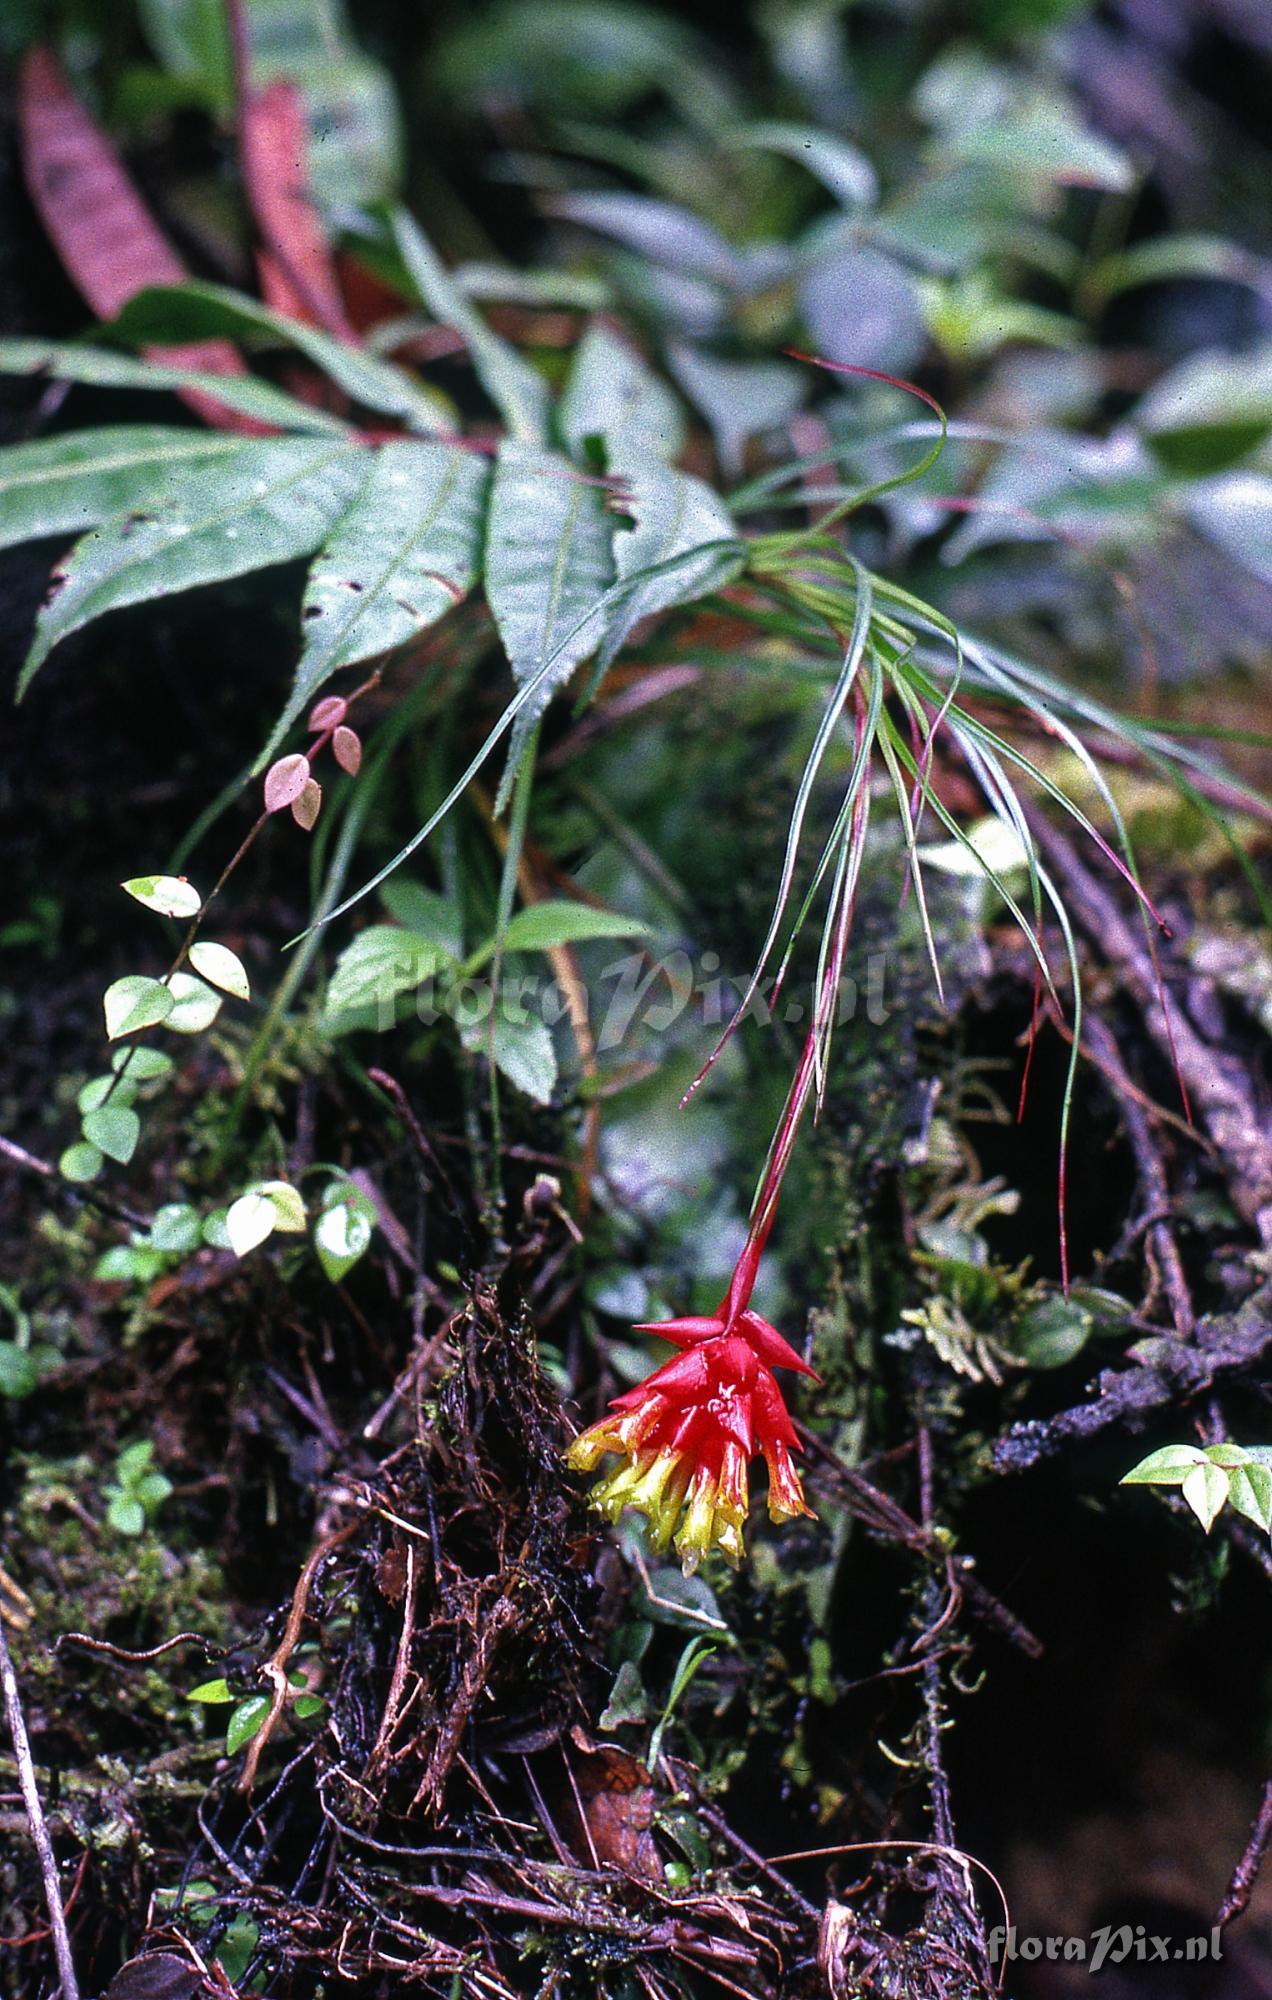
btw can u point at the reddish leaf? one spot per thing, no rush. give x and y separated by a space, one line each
367 298
331 709
306 808
347 745
297 272
285 780
105 235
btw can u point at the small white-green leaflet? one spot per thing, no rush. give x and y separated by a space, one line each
220 967
167 895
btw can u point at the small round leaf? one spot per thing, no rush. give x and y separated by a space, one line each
346 746
341 1235
325 714
306 808
245 1721
135 1002
169 895
114 1130
81 1162
249 1220
144 1065
120 1090
176 1229
211 1692
289 1206
194 1005
285 780
221 967
18 1377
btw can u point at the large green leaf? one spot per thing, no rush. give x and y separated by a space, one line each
517 390
274 501
62 485
739 399
548 563
407 548
612 395
683 535
105 368
842 169
171 314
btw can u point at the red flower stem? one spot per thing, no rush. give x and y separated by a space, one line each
764 1212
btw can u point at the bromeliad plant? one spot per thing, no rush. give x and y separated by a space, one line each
580 528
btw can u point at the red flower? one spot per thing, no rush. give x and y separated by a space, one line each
687 1436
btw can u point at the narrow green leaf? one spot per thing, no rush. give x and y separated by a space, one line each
105 368
841 169
197 311
543 926
273 502
114 1130
405 551
516 388
135 1002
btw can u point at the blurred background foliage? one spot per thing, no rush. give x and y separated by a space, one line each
1053 215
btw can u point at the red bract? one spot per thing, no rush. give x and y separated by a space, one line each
687 1435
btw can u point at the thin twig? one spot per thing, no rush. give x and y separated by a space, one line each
275 1668
1247 1869
36 1822
1151 1172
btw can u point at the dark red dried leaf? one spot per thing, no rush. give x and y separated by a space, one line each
285 780
105 235
347 746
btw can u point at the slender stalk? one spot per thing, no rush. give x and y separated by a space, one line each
37 1822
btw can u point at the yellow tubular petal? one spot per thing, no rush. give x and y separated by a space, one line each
587 1450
